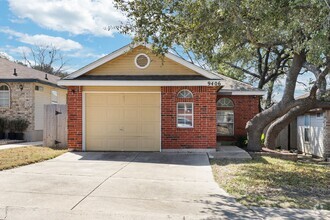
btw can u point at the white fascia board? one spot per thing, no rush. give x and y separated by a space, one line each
139 83
99 62
241 92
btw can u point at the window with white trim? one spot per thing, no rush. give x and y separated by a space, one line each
4 96
225 103
142 61
185 115
307 128
225 117
54 97
185 93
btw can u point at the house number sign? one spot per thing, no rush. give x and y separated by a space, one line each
214 83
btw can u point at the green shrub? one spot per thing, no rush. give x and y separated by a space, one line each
3 125
242 141
11 125
21 124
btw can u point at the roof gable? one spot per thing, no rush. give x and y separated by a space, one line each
102 66
125 65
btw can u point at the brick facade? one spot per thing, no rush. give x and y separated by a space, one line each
74 100
245 108
203 134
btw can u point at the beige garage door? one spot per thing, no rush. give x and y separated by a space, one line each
122 121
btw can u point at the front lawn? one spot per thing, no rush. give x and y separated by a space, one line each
10 158
274 182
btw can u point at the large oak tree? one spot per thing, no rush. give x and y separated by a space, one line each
217 30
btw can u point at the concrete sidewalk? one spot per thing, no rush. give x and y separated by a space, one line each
24 144
229 152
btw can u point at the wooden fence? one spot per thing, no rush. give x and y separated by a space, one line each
55 126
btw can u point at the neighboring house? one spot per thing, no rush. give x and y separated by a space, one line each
287 138
132 100
24 92
313 133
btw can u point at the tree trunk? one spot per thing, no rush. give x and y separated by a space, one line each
270 90
276 127
311 102
256 125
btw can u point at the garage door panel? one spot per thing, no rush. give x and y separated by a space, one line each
150 114
96 113
114 130
150 99
114 99
96 99
148 143
103 144
131 129
132 99
124 122
98 143
132 144
132 115
114 114
97 129
149 130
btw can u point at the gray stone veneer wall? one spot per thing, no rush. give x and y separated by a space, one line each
21 105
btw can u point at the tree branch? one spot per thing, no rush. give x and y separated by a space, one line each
242 69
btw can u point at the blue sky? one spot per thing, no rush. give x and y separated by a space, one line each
76 27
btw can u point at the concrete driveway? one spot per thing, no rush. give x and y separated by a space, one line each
117 186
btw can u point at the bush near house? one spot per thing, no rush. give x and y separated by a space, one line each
16 127
272 182
3 127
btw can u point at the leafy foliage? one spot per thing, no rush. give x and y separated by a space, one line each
246 40
218 29
3 125
232 31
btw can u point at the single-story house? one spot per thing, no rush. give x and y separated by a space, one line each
133 100
313 133
24 92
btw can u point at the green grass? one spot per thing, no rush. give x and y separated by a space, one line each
271 182
10 158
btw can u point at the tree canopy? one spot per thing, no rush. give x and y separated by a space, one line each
233 32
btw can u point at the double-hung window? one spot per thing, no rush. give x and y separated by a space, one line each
185 115
54 97
4 96
225 117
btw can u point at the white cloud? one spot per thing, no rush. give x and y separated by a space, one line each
73 16
6 56
43 40
85 54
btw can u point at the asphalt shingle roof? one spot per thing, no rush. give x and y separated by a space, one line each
24 74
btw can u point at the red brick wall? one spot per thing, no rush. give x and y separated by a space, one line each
203 135
74 100
245 108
